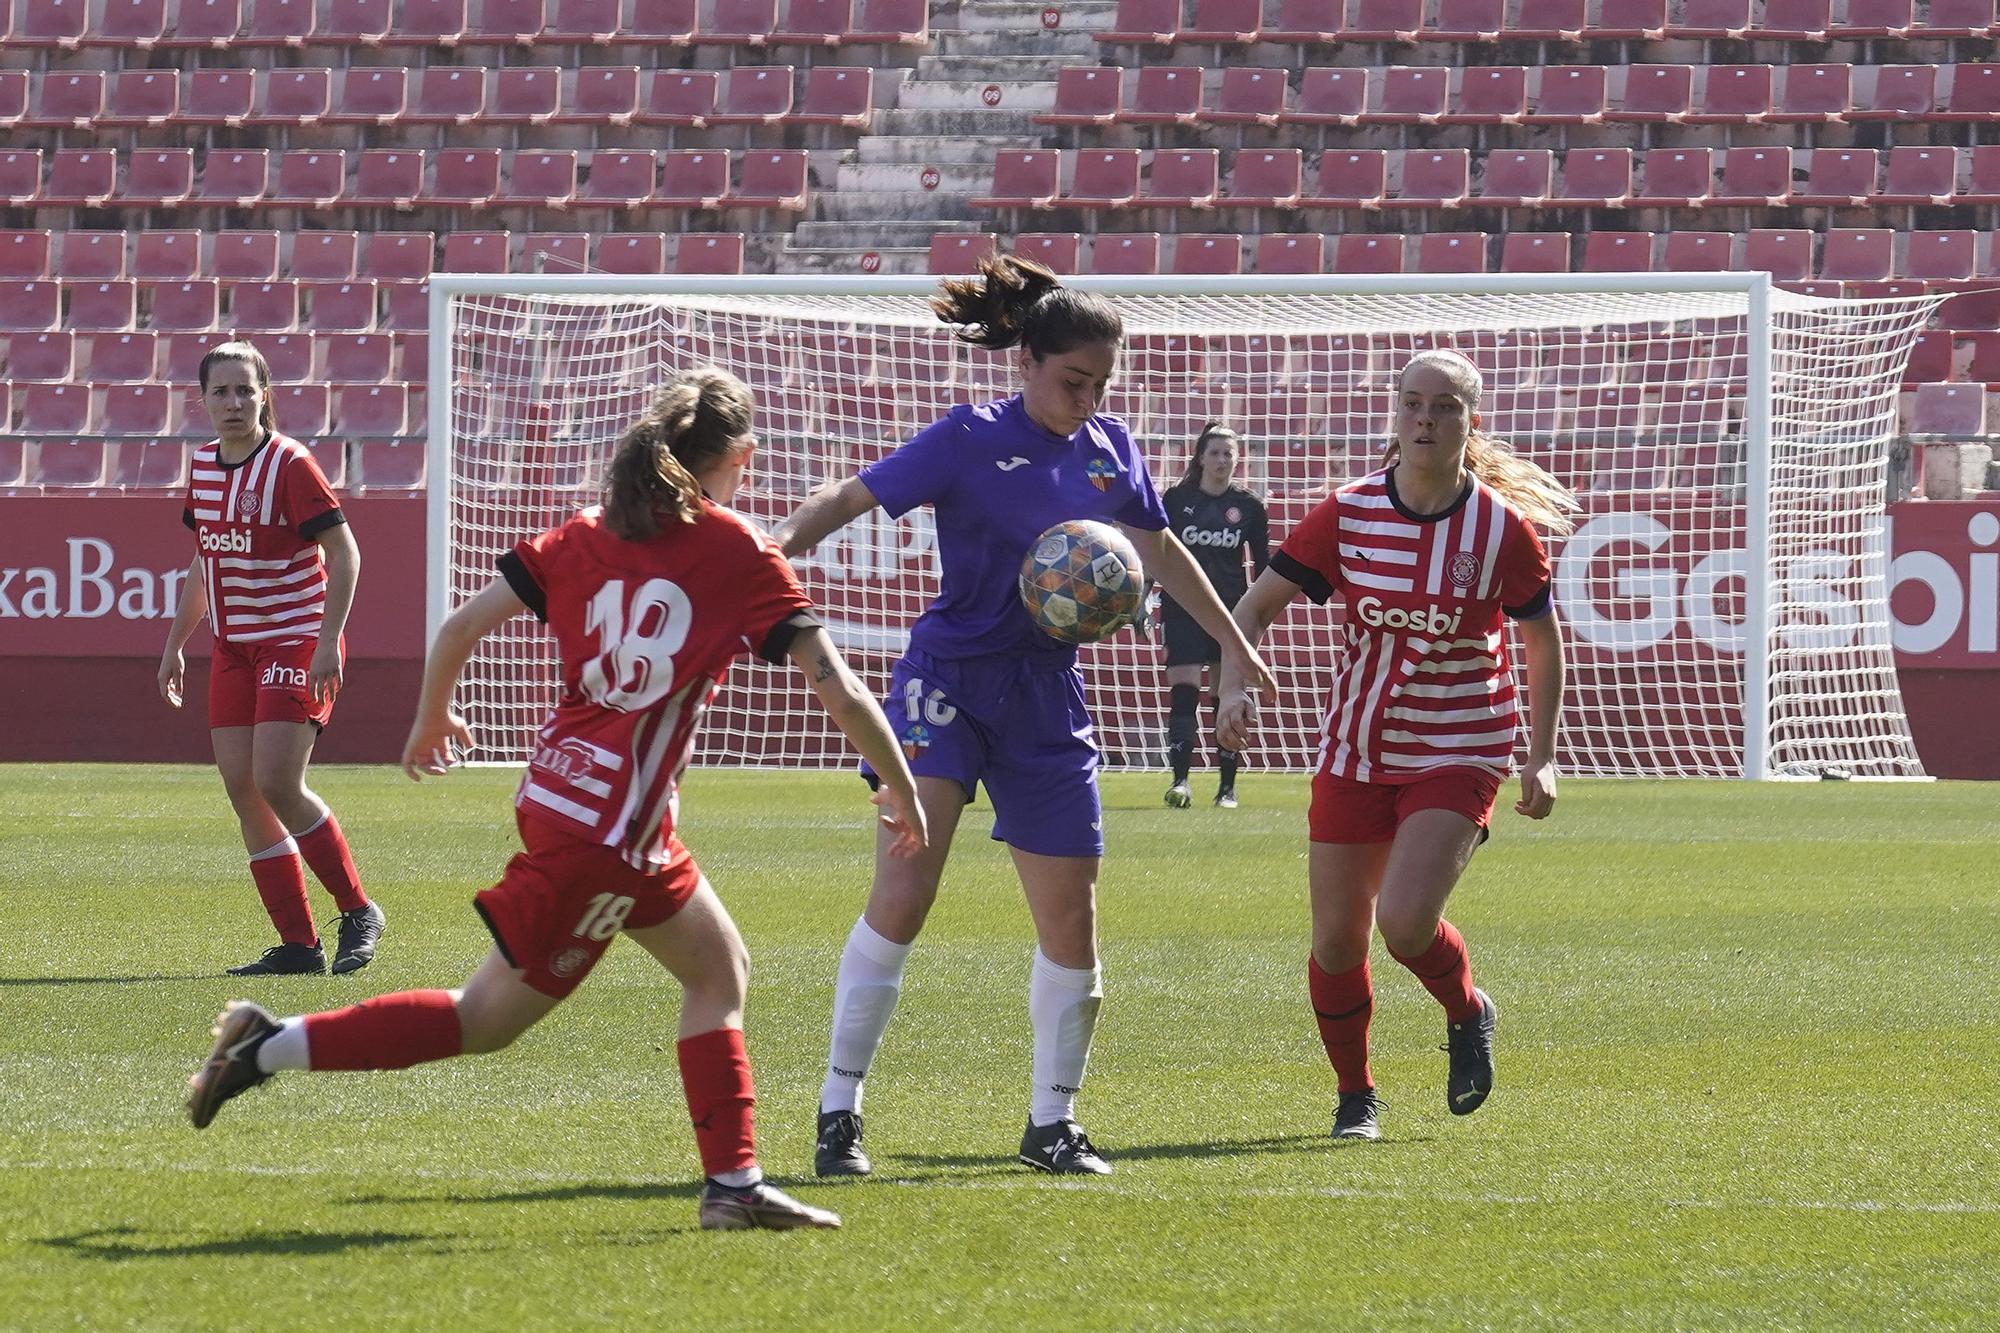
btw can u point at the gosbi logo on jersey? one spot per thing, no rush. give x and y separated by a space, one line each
916 740
1432 620
1227 538
1102 472
1463 571
229 541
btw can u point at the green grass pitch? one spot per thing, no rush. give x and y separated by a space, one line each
1746 1079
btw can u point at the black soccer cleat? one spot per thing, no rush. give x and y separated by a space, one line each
759 1207
359 930
1470 1045
231 1068
284 960
838 1152
1354 1118
1062 1149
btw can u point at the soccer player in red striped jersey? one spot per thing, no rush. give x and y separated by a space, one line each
650 597
274 570
1431 555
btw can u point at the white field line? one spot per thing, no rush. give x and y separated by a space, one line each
1024 1181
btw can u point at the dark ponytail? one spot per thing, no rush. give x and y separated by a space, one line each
1209 432
247 353
1013 301
702 416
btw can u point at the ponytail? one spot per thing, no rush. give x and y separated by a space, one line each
1539 497
247 353
1013 301
701 416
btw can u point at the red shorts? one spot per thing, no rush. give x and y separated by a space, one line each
1347 811
250 683
563 900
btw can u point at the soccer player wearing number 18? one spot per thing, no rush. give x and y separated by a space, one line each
650 598
1428 554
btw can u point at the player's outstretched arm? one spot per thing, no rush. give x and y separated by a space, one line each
194 605
826 510
428 750
1542 644
860 718
1236 703
1177 573
343 571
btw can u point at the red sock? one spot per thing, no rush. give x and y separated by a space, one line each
715 1074
281 883
325 850
387 1032
1446 971
1343 1004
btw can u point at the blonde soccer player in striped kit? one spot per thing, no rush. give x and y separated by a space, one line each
1430 554
274 571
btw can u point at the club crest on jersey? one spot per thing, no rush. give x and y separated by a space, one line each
916 740
1232 514
568 962
1102 472
246 504
1463 571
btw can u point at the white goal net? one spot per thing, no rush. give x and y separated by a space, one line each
1725 593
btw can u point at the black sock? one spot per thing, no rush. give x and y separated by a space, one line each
1227 761
1183 701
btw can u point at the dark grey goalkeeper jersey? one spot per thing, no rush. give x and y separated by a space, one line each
1217 529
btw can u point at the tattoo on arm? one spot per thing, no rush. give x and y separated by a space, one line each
824 671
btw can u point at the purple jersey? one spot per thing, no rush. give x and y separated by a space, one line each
997 481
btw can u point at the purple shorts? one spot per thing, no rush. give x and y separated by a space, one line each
1022 731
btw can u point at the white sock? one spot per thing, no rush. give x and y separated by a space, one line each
1062 1007
289 847
285 1048
740 1180
864 995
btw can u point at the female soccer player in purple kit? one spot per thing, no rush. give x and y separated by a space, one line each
982 695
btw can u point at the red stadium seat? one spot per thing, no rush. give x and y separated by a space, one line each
592 22
1974 95
221 97
83 178
68 462
341 307
1631 20
1433 179
1490 95
1132 253
1535 252
1467 21
694 178
1567 95
814 23
465 178
1956 18
1104 178
1654 94
142 97
604 95
1452 252
475 252
370 409
1785 254
398 256
1306 23
1207 255
1675 178
1898 93
1023 178
680 97
20 177
358 22
158 178
1183 178
1356 252
359 358
1385 21
393 177
708 253
304 411
44 357
1520 179
1411 96
59 23
428 23
56 409
1920 176
1983 179
233 179
754 95
772 180
1061 251
167 255
135 409
389 464
289 355
25 254
959 252
184 354
265 307
892 23
448 95
1248 95
370 95
836 95
1225 22
1550 20
89 255
324 256
1617 252
1164 95
539 180
67 101
295 97
1940 256
1266 178
1711 19
737 22
1331 97
279 23
1733 95
1984 367
153 465
310 178
1356 179
1857 255
656 22
556 252
13 97
1144 23
1793 21
1949 410
1837 177
1815 95
1697 252
508 23
1290 252
632 252
1754 178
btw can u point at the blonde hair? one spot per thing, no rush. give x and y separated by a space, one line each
1541 499
700 417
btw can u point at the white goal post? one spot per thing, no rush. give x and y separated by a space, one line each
1725 594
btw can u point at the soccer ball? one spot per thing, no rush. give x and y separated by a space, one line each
1082 581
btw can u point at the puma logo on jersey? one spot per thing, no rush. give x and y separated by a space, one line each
1010 464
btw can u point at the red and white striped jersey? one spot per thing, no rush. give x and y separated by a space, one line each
1423 680
645 630
255 523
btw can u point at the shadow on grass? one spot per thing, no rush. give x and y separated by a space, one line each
120 1243
105 981
549 1194
938 1163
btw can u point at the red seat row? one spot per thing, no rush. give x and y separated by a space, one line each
142 356
204 304
1313 22
226 24
403 178
162 409
1580 178
342 256
147 462
1099 95
604 95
